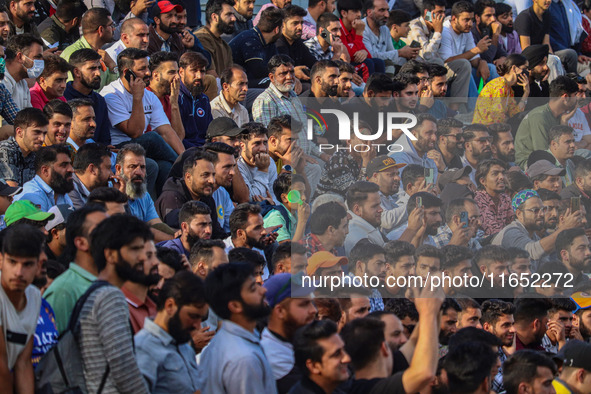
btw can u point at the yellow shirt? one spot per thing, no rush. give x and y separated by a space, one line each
496 103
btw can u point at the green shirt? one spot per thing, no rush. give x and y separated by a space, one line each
106 76
398 44
275 218
65 290
533 133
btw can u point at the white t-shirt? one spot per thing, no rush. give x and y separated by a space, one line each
579 123
18 327
120 102
224 207
18 90
453 44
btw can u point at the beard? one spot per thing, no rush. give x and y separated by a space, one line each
483 155
134 190
170 29
226 28
432 230
195 90
176 330
40 281
164 86
330 90
93 84
508 158
255 312
192 239
444 337
506 29
127 272
24 16
285 87
254 243
582 265
61 184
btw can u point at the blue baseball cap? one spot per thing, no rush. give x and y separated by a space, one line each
281 286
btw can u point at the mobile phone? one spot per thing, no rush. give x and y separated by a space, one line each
306 71
54 45
326 36
274 231
128 75
415 44
419 202
464 218
575 204
428 16
429 176
526 73
486 32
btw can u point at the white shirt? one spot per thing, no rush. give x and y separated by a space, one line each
221 108
453 44
18 90
279 354
580 125
382 46
120 102
115 49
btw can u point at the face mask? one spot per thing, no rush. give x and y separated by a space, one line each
37 69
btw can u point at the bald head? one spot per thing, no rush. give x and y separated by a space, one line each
135 34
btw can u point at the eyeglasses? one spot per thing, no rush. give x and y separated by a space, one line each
459 136
537 211
482 140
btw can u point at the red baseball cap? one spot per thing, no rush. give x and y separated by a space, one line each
166 6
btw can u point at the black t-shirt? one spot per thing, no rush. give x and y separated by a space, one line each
528 24
391 385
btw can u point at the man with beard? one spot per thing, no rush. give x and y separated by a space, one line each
253 49
581 187
582 318
291 308
532 133
326 43
83 123
531 322
134 34
477 145
86 72
165 84
508 37
521 233
385 172
51 84
502 145
243 11
21 14
247 229
193 104
436 88
234 82
131 168
195 223
364 204
546 175
497 318
65 290
164 33
560 325
456 231
291 44
346 76
136 292
552 205
572 247
423 220
118 250
324 78
53 180
165 340
220 18
92 169
537 58
486 23
494 203
24 59
562 146
450 142
59 115
234 360
368 260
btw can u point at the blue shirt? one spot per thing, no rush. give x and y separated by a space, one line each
251 51
176 245
41 194
142 208
102 134
45 334
164 363
196 115
559 30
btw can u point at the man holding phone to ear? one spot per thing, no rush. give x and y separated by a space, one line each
327 44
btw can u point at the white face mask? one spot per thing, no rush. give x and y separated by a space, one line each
37 69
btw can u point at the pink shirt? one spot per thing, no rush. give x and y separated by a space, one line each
38 98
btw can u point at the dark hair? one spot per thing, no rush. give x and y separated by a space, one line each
484 168
48 155
103 194
170 257
193 159
429 5
565 239
468 364
227 76
517 180
456 207
402 307
22 240
517 253
563 85
239 216
398 17
481 5
546 195
215 7
305 343
57 106
555 132
82 56
511 60
330 308
157 58
94 18
133 148
278 123
460 7
522 366
378 83
284 251
502 8
202 250
414 67
467 302
284 182
292 10
215 148
363 340
581 170
345 67
493 310
538 155
445 125
359 192
562 304
253 130
411 173
427 251
192 208
364 250
189 58
314 3
402 80
271 18
128 56
114 233
429 201
185 288
437 70
224 284
331 214
529 309
30 117
490 254
90 154
473 334
496 128
77 227
324 20
320 66
277 61
68 10
349 5
54 64
76 103
394 250
21 43
452 255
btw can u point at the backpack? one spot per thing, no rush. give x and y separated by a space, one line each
60 370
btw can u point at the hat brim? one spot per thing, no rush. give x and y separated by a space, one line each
167 9
40 216
10 191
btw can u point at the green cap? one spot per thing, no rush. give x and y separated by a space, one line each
24 209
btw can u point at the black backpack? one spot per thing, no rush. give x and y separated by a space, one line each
60 370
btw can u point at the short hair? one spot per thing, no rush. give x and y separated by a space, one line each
562 304
246 255
494 309
216 7
190 58
326 215
22 240
185 288
523 365
529 309
68 10
283 183
490 254
379 83
422 118
517 180
133 148
54 64
394 250
581 170
227 76
546 195
128 56
402 80
565 238
253 130
278 123
77 227
239 216
429 5
224 284
349 5
81 56
345 67
202 250
215 148
363 340
445 125
429 201
481 5
427 251
277 61
460 7
102 195
411 173
157 58
305 343
57 106
496 128
470 363
398 17
402 308
538 155
293 10
330 308
359 192
170 257
192 208
114 233
452 255
193 159
20 43
284 251
558 131
517 253
437 70
88 154
484 167
467 302
48 155
563 85
321 66
77 103
324 20
94 18
502 8
271 18
456 207
413 67
364 250
473 334
30 117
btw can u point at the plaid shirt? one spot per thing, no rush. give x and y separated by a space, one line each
316 49
13 165
497 384
313 245
8 107
444 235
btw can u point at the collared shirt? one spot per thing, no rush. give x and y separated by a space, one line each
234 362
115 49
8 108
13 165
106 75
164 363
38 97
309 28
79 195
316 49
138 311
511 43
41 194
444 235
272 103
19 91
495 215
359 228
430 40
466 163
221 108
454 44
196 116
102 133
65 290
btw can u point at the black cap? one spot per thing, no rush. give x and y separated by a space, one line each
576 354
450 176
6 190
223 126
